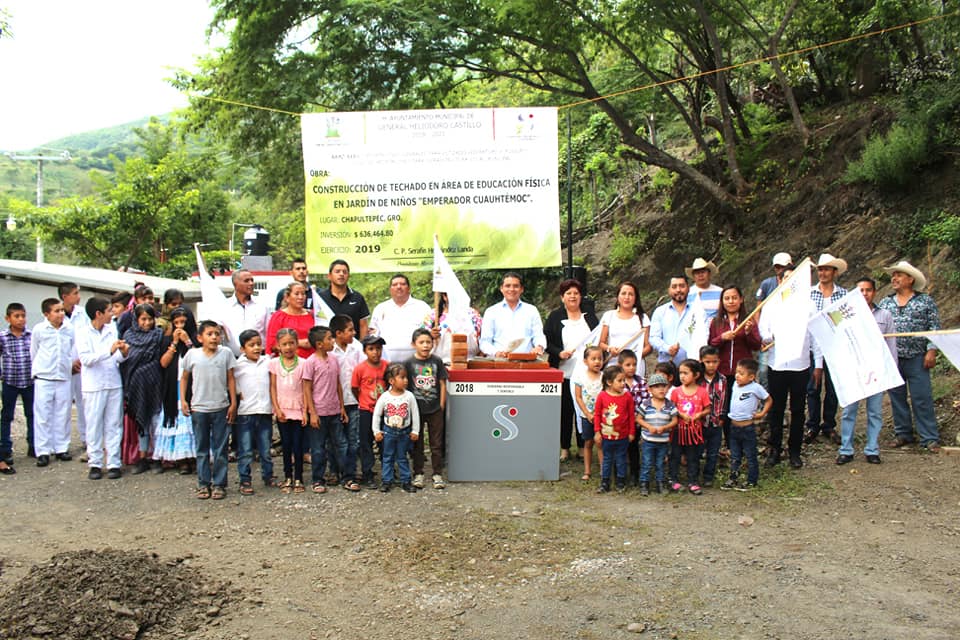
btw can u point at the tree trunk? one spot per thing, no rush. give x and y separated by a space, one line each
729 139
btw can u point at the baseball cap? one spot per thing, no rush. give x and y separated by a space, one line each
782 259
657 379
370 339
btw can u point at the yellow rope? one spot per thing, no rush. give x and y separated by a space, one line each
654 85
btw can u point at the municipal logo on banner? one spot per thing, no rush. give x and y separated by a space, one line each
860 361
502 415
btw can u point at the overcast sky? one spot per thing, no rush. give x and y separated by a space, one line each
72 66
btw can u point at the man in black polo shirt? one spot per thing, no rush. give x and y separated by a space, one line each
343 300
299 273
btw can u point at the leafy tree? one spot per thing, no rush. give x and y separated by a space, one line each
159 205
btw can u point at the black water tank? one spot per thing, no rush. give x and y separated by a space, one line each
256 241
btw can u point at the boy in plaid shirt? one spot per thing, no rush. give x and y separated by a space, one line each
15 367
637 387
716 385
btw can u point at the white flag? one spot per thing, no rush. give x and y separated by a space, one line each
949 344
321 310
787 310
214 303
860 361
459 318
694 330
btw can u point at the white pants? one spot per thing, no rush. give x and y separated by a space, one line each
51 416
77 392
104 414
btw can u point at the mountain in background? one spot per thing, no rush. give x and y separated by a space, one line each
89 151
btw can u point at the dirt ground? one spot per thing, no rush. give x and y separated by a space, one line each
860 551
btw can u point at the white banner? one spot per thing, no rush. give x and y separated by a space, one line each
694 329
855 350
949 344
787 310
380 184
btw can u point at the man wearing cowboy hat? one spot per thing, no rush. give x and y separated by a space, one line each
913 311
701 273
825 292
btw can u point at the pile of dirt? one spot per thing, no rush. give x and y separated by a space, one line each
110 595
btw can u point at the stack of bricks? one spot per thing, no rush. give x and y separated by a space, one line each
458 351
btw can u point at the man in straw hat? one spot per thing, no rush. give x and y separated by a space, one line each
701 273
825 292
913 311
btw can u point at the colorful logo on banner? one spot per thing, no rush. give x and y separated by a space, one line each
509 430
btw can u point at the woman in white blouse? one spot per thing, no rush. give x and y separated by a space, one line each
626 326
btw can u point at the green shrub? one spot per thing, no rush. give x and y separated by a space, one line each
891 160
624 247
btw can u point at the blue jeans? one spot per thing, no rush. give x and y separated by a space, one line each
318 443
692 453
254 430
917 380
210 430
848 421
743 442
396 445
10 395
291 444
653 454
366 444
351 435
712 439
615 460
830 404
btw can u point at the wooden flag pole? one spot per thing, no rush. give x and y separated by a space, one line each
920 334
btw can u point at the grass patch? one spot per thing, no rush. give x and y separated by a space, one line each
782 485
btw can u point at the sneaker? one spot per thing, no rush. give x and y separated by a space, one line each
645 489
695 489
371 483
418 481
676 487
661 488
438 481
384 488
731 483
409 488
621 487
114 474
95 473
747 487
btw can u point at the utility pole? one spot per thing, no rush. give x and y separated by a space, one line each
64 156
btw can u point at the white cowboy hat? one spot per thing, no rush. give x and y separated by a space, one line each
919 280
700 263
782 259
827 260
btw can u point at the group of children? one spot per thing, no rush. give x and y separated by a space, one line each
331 407
679 414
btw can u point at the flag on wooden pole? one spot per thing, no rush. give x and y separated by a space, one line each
786 311
860 362
693 331
458 318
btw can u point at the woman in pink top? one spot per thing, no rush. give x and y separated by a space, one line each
292 316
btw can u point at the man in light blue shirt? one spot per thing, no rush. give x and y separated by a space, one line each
666 323
511 320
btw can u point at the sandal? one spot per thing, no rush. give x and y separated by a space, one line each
298 487
203 493
246 489
350 485
319 487
219 493
287 486
585 477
